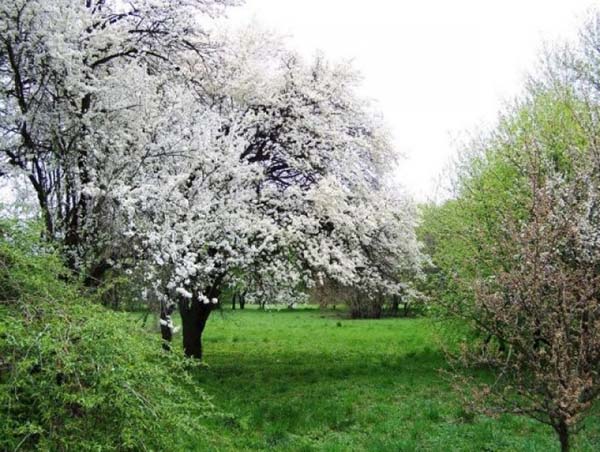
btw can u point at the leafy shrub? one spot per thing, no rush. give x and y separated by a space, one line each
76 376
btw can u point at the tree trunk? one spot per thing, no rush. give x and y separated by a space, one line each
96 273
395 305
42 196
563 435
194 315
234 296
375 311
166 325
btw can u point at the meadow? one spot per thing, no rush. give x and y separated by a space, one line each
311 379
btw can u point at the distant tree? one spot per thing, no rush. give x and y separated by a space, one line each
238 298
393 256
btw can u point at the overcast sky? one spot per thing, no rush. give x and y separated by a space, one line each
437 69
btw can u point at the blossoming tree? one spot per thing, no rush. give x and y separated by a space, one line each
81 102
284 190
198 159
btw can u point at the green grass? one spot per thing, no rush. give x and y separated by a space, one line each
313 380
75 376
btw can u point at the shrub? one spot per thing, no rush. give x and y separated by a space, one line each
76 376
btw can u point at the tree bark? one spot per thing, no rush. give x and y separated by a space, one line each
166 325
395 305
194 315
563 436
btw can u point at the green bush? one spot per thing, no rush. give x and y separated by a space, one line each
76 376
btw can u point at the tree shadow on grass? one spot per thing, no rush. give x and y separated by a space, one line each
319 367
290 393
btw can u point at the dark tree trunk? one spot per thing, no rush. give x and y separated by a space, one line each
96 274
233 301
395 305
375 312
194 315
242 300
44 208
75 220
166 324
367 311
364 308
563 435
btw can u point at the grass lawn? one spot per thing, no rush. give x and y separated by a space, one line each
313 380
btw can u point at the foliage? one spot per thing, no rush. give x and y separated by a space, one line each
543 309
74 376
515 251
119 290
490 183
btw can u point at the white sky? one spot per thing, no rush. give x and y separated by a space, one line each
436 68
